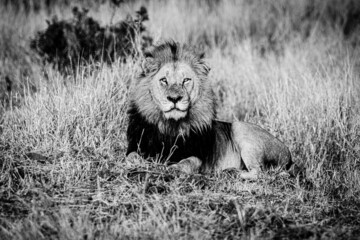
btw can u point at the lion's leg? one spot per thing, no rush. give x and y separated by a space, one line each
252 159
188 165
253 174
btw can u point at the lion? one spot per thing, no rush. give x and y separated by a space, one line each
172 119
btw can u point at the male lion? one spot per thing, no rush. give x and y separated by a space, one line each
172 118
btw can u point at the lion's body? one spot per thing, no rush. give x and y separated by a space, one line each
172 119
209 145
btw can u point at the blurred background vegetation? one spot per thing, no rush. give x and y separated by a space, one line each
67 33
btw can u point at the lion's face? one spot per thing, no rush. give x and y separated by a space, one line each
175 87
172 90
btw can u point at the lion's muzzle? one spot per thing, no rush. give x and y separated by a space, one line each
177 103
174 99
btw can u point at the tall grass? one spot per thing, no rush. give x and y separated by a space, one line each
63 172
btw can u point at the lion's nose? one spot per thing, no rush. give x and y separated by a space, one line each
174 99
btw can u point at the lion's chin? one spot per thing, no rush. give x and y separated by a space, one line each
175 114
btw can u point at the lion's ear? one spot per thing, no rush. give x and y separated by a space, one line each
143 65
148 64
147 59
206 68
204 65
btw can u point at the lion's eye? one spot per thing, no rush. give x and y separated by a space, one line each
186 80
163 81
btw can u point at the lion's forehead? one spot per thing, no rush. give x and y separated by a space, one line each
176 72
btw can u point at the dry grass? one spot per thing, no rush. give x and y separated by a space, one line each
63 169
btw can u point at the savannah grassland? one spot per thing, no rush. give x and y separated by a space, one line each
285 65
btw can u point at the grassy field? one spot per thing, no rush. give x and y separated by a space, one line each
63 172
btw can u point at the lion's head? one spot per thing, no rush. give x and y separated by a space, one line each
172 90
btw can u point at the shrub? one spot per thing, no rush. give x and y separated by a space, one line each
69 43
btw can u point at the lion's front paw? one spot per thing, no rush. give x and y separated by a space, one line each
134 159
188 165
181 168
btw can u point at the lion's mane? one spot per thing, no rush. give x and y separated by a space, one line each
201 112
